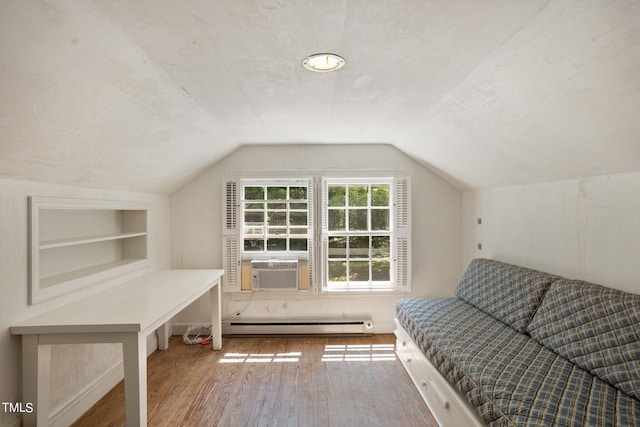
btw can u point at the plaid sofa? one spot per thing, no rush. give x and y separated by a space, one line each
527 348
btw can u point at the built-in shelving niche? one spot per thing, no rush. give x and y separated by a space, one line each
75 243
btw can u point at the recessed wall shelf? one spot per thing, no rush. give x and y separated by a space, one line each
75 243
59 243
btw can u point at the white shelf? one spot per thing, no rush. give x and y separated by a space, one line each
59 243
47 282
75 243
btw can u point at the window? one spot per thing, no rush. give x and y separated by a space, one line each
275 217
354 237
359 234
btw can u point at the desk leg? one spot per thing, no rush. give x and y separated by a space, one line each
36 365
134 348
163 336
216 316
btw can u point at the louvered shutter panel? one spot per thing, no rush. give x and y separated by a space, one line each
323 235
230 238
311 239
230 207
403 234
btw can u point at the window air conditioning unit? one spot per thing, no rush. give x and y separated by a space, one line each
274 275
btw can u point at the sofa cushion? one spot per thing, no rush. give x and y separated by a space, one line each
509 378
596 328
508 292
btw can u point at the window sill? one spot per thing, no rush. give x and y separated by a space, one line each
308 294
372 292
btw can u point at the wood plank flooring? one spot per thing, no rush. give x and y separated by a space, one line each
274 381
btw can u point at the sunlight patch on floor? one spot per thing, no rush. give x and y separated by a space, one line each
292 356
359 353
332 353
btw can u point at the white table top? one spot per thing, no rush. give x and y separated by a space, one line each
136 305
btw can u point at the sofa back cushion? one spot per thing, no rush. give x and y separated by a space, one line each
594 327
507 292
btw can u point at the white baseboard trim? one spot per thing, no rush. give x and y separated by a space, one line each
379 327
90 395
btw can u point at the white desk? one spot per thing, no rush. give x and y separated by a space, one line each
126 314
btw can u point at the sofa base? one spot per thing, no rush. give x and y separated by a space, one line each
445 403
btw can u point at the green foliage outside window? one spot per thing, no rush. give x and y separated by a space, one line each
356 215
275 218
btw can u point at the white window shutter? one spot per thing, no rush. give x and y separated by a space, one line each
231 262
230 204
311 230
323 235
402 202
230 238
403 234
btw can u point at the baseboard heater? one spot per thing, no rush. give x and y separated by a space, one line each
348 326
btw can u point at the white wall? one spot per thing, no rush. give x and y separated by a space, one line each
74 368
586 229
437 232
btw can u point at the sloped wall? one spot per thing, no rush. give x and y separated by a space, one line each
196 224
586 229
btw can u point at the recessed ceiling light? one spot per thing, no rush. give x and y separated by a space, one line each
323 62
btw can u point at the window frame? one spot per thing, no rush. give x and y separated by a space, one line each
348 285
287 227
316 255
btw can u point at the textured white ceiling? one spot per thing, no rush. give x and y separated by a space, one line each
144 95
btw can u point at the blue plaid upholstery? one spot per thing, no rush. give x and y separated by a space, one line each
509 378
596 328
508 292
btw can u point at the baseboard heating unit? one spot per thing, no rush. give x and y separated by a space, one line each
342 326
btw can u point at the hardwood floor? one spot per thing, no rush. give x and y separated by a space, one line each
274 381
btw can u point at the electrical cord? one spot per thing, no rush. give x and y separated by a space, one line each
198 339
238 313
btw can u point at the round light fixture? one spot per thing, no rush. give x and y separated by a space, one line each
323 62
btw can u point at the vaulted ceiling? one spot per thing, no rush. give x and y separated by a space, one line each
144 95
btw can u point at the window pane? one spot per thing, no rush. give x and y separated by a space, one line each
277 245
254 193
276 218
297 244
276 193
359 271
254 217
337 247
298 193
358 220
254 229
337 195
359 215
358 195
298 218
379 219
277 231
381 270
379 195
359 247
380 246
337 271
336 219
253 244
